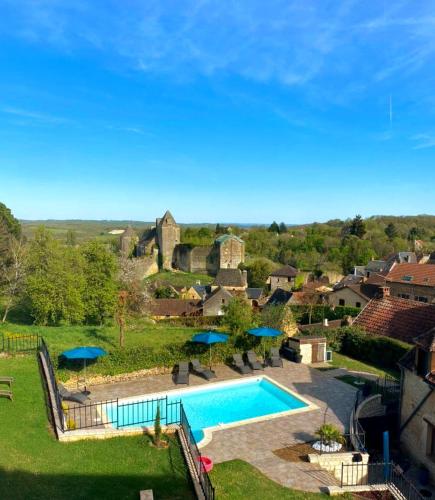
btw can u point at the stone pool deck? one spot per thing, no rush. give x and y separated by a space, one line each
256 442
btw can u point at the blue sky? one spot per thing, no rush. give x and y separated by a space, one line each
241 111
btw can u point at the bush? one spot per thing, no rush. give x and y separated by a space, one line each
301 313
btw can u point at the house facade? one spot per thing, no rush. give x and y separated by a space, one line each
282 278
350 296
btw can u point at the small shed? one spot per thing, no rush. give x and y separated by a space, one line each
311 347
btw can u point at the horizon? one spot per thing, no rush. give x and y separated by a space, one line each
240 112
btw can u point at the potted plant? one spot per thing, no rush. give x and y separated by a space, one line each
330 438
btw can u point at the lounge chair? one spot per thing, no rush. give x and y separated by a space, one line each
182 374
200 370
6 380
240 366
7 394
274 358
76 397
253 361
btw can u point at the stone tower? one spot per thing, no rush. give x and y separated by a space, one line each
128 242
168 236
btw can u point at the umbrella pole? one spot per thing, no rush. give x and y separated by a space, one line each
210 356
84 361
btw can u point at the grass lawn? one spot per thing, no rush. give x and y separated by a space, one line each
238 480
180 279
342 361
33 464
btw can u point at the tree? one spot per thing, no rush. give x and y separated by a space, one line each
55 282
238 315
391 231
121 314
130 279
282 228
71 238
273 228
12 224
100 271
279 317
355 252
164 292
13 273
258 272
357 227
415 233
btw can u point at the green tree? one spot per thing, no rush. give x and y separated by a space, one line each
355 252
100 270
282 228
71 237
11 223
164 292
55 281
238 316
391 231
279 317
415 234
274 228
357 227
258 272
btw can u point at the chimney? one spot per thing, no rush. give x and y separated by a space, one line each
384 291
245 277
325 322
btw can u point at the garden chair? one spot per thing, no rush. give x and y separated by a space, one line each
253 361
274 358
75 397
200 370
240 366
7 394
182 374
6 380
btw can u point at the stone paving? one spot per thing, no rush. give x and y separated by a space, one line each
255 442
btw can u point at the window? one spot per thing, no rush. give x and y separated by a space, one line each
421 298
357 304
403 295
223 301
341 302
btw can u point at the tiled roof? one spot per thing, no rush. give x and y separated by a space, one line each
226 237
426 340
174 307
230 277
279 297
376 279
254 293
286 271
413 274
401 319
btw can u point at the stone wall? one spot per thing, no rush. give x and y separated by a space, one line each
332 462
350 298
416 436
168 237
231 254
413 291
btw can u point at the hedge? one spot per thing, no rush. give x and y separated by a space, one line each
301 313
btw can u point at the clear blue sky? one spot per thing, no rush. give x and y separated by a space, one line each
242 111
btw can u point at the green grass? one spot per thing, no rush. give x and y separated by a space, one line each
33 464
238 480
342 361
180 279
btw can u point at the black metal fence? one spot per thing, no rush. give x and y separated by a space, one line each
379 474
16 343
389 388
204 479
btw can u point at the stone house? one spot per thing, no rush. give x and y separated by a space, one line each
417 403
231 279
282 278
351 295
412 281
215 303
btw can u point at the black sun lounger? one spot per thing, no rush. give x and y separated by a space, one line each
240 366
274 358
182 374
76 397
200 370
253 361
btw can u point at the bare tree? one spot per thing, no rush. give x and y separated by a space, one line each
13 273
120 315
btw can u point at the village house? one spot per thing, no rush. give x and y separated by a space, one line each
417 403
412 281
214 305
282 278
231 279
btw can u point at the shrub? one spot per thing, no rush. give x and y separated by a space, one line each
329 434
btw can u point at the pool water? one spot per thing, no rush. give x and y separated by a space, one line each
227 403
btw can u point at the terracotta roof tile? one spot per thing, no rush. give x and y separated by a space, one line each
426 340
413 274
174 307
401 319
286 271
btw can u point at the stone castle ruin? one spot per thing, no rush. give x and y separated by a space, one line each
160 248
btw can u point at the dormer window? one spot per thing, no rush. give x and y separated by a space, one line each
407 278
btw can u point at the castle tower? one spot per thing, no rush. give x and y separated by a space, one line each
168 236
128 241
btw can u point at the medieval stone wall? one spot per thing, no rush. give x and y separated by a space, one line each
168 237
232 253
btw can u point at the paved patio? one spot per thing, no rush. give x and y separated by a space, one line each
256 442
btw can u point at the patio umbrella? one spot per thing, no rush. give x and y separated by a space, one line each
84 353
210 338
264 331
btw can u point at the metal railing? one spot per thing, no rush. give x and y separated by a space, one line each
204 479
19 343
379 474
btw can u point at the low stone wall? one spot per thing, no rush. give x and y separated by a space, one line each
332 462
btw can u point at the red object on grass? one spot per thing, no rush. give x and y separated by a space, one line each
206 463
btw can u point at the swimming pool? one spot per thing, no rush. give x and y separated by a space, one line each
224 404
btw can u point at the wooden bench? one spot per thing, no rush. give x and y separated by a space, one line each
7 394
6 380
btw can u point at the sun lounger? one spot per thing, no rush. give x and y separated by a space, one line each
7 394
253 361
76 397
200 370
240 366
274 358
182 374
6 380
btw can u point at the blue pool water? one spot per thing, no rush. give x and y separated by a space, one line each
217 404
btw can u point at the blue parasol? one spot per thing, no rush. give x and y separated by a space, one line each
84 353
264 331
210 338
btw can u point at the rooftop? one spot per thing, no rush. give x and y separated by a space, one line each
415 274
286 271
174 307
230 277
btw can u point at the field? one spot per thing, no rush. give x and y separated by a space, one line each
179 278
